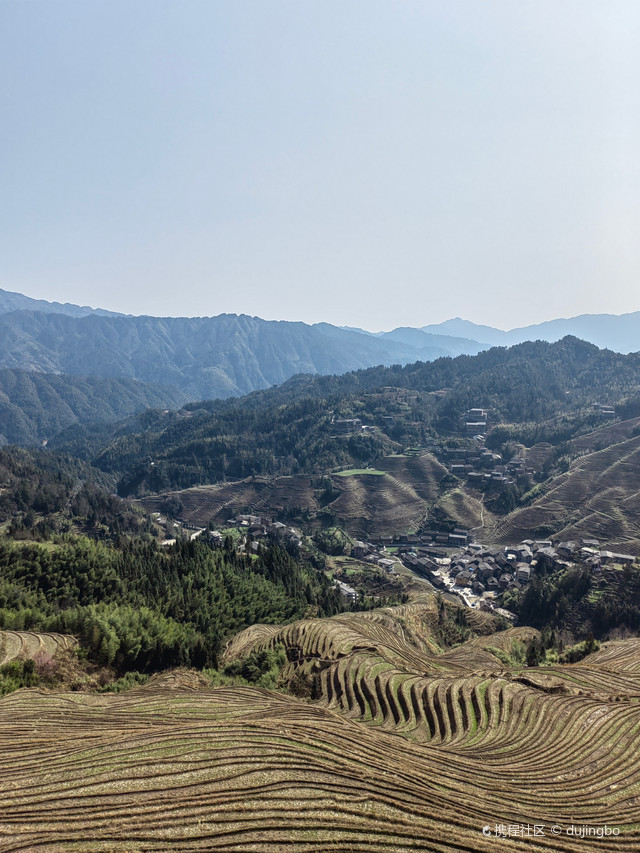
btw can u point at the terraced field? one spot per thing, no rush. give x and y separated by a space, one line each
381 505
598 497
172 766
606 435
537 455
468 510
27 644
386 667
205 504
404 748
394 501
569 732
422 473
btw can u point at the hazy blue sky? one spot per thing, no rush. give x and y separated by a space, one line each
361 162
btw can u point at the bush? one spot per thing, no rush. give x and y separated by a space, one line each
580 650
333 540
261 668
17 674
131 679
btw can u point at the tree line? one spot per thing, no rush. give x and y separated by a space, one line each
138 606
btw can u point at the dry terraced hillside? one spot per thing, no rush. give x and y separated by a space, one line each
28 644
259 496
605 436
395 501
404 748
598 497
466 508
383 504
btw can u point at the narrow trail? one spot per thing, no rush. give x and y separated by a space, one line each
481 525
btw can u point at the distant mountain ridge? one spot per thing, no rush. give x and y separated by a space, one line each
617 332
12 301
232 355
204 357
36 406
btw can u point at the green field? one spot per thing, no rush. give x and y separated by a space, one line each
351 471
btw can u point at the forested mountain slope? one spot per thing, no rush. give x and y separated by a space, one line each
534 391
204 357
541 402
36 406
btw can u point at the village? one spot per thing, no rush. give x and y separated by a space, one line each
449 562
478 574
465 454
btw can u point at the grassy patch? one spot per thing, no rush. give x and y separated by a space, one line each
126 682
45 544
352 471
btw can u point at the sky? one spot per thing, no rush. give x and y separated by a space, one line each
364 163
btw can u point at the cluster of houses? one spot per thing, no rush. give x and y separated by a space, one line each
348 426
477 464
428 539
259 528
447 559
605 410
348 591
369 553
482 467
485 572
345 426
475 422
479 574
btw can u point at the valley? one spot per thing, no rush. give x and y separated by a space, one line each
319 427
392 609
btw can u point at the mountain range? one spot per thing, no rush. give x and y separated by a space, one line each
203 357
12 301
36 406
617 332
188 359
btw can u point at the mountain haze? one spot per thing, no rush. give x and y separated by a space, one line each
36 406
203 357
617 332
12 301
231 355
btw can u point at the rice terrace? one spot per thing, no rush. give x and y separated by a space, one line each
397 746
257 626
320 426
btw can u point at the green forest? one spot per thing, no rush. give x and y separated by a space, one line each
534 391
76 558
137 606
